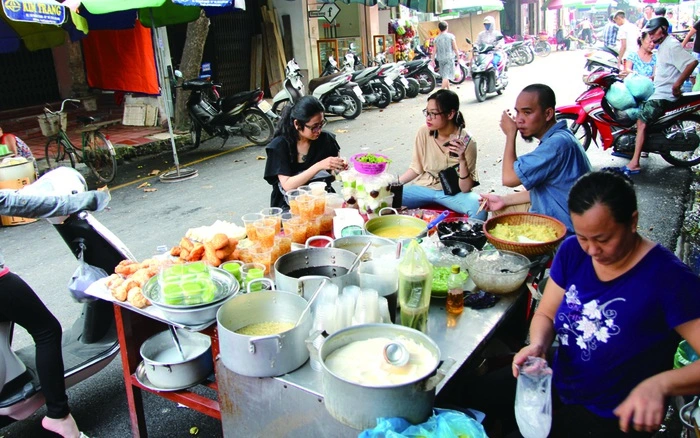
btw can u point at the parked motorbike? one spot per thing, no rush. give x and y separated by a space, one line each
375 89
461 68
223 117
675 136
91 343
419 70
604 58
398 85
331 67
411 84
487 77
337 93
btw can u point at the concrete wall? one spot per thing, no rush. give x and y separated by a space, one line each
461 28
300 29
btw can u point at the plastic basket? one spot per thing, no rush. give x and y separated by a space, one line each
369 168
49 123
526 249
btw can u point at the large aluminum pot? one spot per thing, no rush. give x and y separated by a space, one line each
165 367
263 356
302 271
356 244
413 226
359 406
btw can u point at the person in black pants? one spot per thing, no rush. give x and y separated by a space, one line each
20 304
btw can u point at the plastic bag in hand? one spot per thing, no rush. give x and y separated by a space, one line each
533 398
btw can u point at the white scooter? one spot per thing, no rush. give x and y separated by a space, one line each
337 93
91 343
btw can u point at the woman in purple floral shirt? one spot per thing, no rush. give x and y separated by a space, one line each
618 304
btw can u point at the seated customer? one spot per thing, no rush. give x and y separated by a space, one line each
17 147
442 143
301 151
549 171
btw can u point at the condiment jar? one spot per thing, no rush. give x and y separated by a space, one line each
455 292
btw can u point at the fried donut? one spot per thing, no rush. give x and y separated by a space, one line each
196 254
219 240
135 297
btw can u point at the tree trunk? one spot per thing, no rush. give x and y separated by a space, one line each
197 32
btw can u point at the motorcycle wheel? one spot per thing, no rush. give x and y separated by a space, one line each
429 78
400 92
460 75
686 159
518 58
481 87
385 100
353 104
542 48
256 117
279 106
195 134
413 88
528 54
582 132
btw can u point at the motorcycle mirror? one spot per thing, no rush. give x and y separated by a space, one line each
178 74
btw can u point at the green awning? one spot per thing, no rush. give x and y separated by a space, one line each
472 6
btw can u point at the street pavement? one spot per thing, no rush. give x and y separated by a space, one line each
230 184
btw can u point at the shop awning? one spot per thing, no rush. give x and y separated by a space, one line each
553 4
589 4
472 6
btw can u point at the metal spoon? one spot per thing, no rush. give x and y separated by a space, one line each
356 262
173 334
308 305
509 271
396 354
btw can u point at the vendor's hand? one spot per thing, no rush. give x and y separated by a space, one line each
333 164
644 407
508 125
525 352
493 202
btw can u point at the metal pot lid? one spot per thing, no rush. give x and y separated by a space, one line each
226 286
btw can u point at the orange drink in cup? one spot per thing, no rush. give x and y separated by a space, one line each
292 196
249 222
264 257
284 244
318 188
326 223
265 233
313 227
306 207
296 226
275 214
284 217
319 205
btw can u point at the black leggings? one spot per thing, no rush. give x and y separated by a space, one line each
20 304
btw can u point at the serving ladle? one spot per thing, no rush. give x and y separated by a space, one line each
176 340
396 354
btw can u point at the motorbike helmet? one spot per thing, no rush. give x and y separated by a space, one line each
656 23
489 20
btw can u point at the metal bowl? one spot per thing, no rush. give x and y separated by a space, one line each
498 272
463 229
226 287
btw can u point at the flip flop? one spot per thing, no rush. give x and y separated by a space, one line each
621 155
629 171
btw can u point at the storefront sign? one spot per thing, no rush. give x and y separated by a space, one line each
330 11
40 11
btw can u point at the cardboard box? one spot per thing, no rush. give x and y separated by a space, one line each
15 184
134 115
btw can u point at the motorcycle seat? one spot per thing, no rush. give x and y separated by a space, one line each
228 102
197 84
315 83
415 63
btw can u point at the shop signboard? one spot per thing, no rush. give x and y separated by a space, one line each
39 11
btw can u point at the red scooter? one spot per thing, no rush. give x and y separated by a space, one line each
675 136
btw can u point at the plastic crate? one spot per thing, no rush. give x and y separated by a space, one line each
49 123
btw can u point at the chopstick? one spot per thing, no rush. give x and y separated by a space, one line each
482 204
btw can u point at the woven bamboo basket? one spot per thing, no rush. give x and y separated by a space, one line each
526 249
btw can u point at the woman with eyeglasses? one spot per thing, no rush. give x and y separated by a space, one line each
441 143
301 151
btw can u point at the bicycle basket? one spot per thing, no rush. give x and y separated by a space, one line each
49 123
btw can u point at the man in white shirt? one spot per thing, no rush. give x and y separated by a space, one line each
673 66
627 34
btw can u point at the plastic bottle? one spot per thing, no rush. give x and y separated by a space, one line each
455 292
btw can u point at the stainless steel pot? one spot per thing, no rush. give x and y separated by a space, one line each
359 406
356 243
193 317
375 226
263 356
302 271
165 367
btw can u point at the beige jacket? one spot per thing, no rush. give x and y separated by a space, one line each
429 159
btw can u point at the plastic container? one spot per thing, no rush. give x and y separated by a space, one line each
455 292
186 285
498 272
369 168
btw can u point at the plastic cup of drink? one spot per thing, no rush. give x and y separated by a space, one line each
319 205
313 227
318 188
305 188
284 243
284 218
297 229
273 213
333 201
265 234
292 196
233 267
306 204
251 271
249 222
264 257
326 223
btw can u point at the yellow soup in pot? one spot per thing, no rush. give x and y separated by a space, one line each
397 232
265 328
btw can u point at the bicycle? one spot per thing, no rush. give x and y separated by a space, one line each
96 150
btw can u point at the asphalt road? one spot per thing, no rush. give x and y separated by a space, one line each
230 184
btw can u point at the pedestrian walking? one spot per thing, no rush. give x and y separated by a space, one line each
445 54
